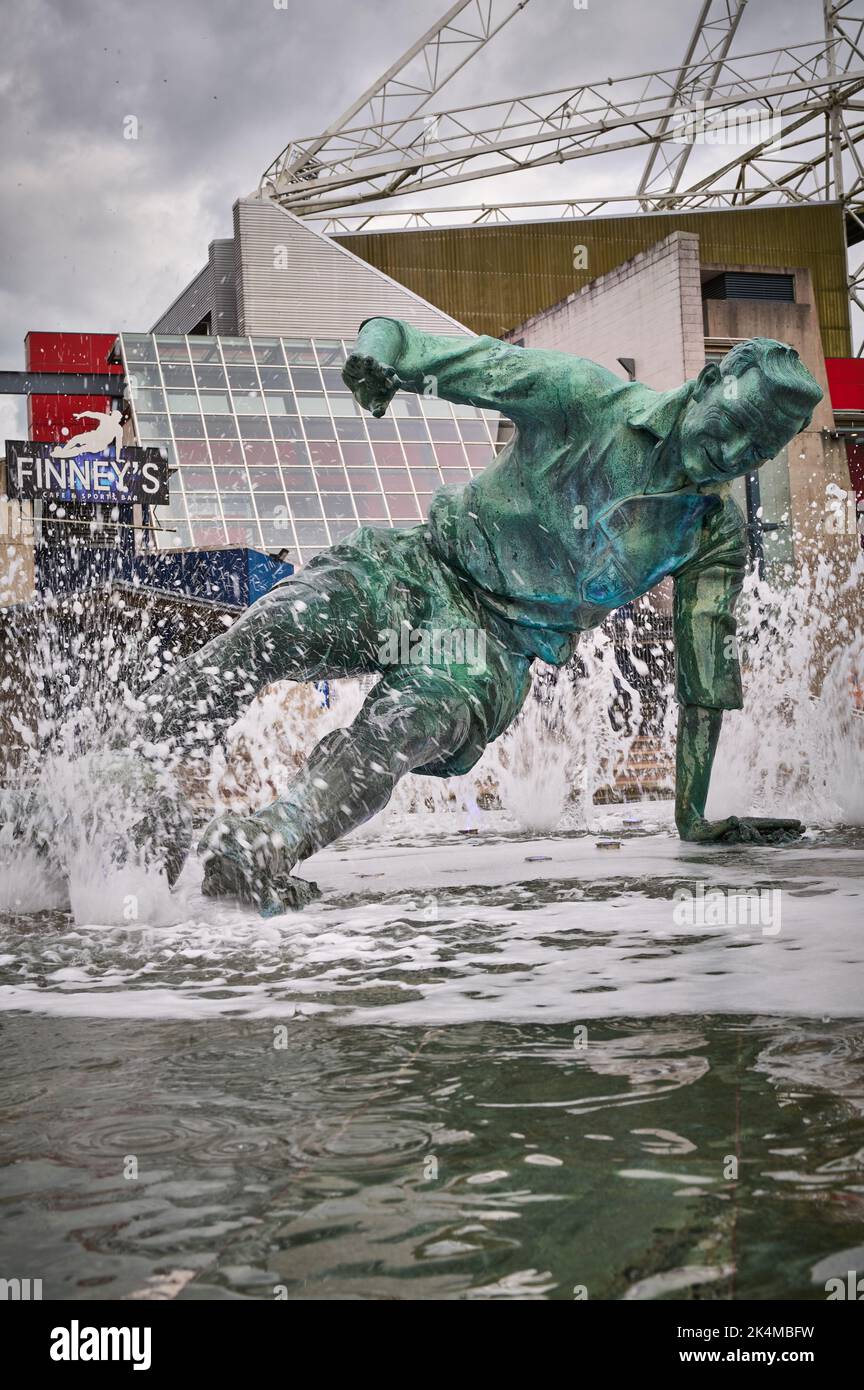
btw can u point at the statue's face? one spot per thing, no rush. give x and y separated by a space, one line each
732 427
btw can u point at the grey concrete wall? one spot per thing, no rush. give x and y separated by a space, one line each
649 308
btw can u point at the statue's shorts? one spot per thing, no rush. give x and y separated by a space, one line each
383 601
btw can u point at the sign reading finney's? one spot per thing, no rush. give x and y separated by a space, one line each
130 474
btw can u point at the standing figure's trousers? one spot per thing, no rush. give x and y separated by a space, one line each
382 601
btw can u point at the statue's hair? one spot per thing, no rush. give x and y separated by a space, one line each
782 368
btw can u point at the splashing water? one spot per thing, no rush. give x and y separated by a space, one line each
796 747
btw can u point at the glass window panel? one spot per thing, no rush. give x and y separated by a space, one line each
403 507
169 450
204 349
424 500
282 404
450 456
338 505
298 479
371 507
292 454
225 452
304 504
380 429
332 378
175 374
311 405
443 430
317 427
325 453
363 480
192 451
237 504
138 347
278 535
271 504
195 478
188 427
143 374
254 427
242 378
386 454
474 430
267 479
395 480
212 533
307 553
236 349
149 400
357 454
275 378
268 350
203 504
331 479
259 451
172 349
456 475
286 427
400 407
210 376
298 349
420 455
343 405
176 509
413 430
350 429
426 479
169 540
221 427
311 533
246 535
248 402
229 478
436 409
153 427
478 457
186 402
467 412
306 379
330 350
340 529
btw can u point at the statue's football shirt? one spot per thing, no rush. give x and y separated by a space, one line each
569 522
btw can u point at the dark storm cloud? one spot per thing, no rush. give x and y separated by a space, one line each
100 232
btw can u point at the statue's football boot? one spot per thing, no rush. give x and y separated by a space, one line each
246 858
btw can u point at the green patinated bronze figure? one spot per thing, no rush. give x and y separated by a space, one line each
606 488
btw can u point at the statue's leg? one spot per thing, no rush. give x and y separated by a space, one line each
304 629
419 718
320 624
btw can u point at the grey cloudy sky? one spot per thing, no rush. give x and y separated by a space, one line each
100 232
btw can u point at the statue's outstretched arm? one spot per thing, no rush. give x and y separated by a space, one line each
391 355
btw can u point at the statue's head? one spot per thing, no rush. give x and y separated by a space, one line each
744 409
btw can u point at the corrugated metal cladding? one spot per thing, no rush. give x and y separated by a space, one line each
492 278
293 280
189 307
223 298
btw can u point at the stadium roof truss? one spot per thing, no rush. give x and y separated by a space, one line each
800 111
